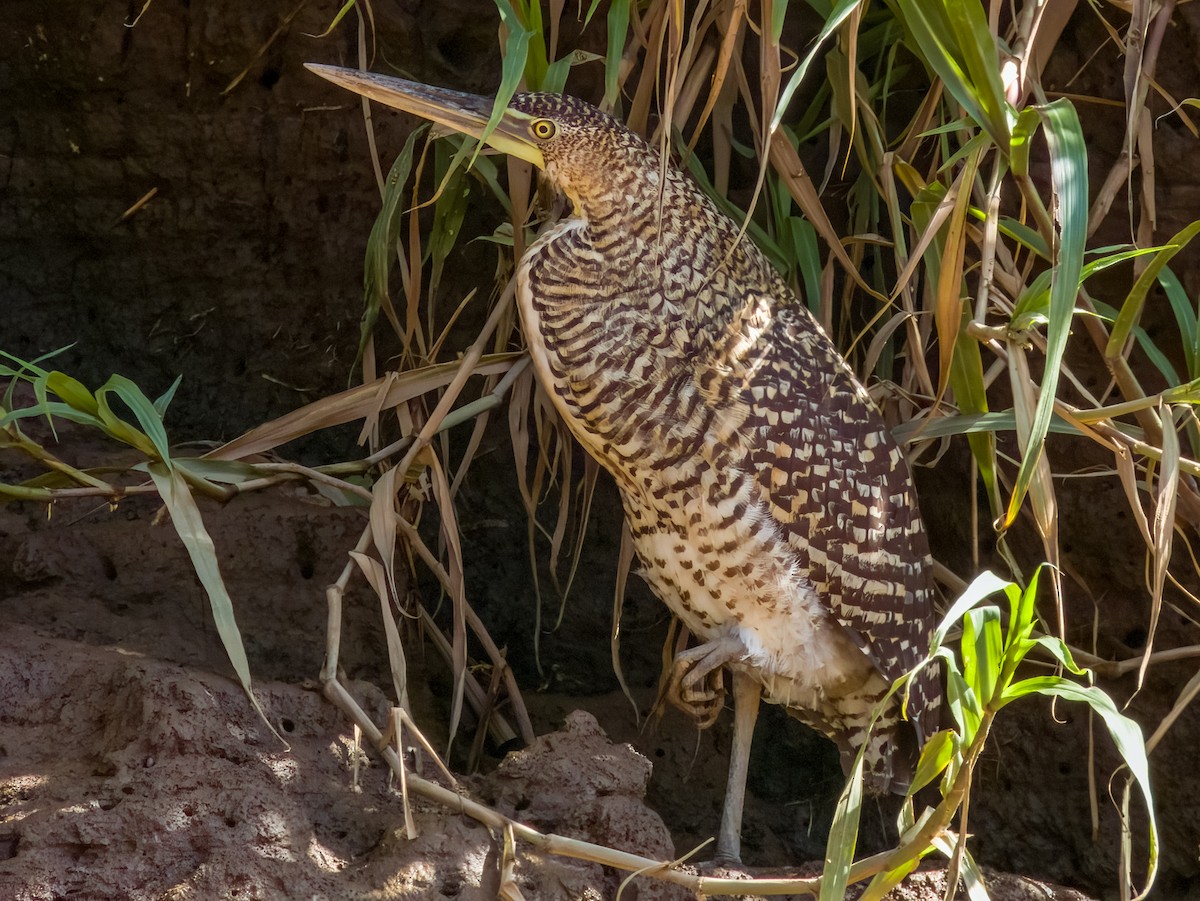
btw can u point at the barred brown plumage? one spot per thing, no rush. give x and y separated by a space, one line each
770 507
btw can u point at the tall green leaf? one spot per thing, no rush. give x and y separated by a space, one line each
1068 165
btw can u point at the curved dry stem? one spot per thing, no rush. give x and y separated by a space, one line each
915 844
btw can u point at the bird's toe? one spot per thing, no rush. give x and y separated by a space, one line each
700 695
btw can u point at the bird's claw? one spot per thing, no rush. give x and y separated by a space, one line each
697 691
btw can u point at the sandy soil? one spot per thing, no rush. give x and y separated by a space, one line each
132 766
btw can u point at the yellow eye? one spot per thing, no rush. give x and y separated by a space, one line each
543 129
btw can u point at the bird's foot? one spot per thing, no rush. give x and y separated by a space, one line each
701 697
697 684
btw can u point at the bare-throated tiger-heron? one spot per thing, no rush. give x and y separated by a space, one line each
770 507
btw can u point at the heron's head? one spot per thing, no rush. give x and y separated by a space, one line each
583 151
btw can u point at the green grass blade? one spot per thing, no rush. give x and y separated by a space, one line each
1022 606
1060 651
556 74
964 706
884 882
31 366
185 516
1020 144
618 29
954 40
843 835
982 650
778 15
164 400
974 424
381 244
970 392
1152 351
1033 307
118 428
833 21
143 408
513 65
1024 236
338 16
1131 310
226 472
536 60
51 410
1126 735
449 210
1185 312
1068 163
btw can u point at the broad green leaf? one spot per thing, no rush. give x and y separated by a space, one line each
1020 145
24 371
1021 620
934 758
800 238
51 410
968 648
448 211
72 392
1022 610
982 651
778 15
964 705
967 382
1059 650
884 882
981 588
1024 236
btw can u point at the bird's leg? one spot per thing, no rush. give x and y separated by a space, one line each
697 685
746 695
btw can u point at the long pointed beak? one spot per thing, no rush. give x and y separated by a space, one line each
469 114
